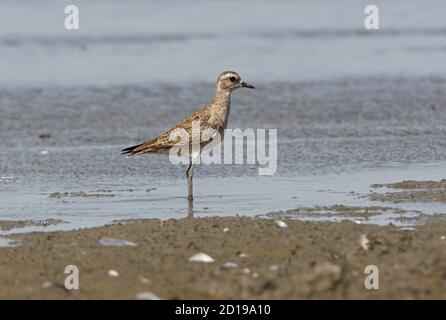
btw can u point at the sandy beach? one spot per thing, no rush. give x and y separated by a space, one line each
253 259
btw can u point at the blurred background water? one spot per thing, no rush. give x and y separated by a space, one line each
140 42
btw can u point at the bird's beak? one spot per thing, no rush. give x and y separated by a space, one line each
246 85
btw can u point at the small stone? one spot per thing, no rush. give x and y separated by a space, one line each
144 280
230 265
443 237
212 292
44 136
201 257
242 255
44 152
364 242
113 273
105 241
281 224
146 296
226 229
55 195
327 268
274 267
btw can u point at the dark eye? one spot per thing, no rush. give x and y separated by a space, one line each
232 79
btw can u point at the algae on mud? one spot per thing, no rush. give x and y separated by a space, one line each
412 191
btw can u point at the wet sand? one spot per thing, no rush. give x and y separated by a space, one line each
254 259
17 224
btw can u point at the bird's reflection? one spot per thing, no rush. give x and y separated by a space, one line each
190 212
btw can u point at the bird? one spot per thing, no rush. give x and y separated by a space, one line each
214 115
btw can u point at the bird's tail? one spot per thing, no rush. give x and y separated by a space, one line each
130 151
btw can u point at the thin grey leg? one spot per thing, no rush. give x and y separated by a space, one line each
189 174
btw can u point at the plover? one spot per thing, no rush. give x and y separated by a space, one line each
214 115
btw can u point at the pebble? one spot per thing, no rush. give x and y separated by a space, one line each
274 267
147 296
201 257
212 292
242 255
364 242
105 241
281 224
113 273
144 280
230 265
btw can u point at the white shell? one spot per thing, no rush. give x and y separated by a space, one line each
274 267
105 241
113 273
364 242
201 257
281 224
230 265
147 296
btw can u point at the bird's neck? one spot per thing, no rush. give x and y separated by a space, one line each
219 107
222 99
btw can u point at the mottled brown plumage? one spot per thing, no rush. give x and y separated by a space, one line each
213 115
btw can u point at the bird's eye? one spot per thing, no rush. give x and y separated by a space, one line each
232 79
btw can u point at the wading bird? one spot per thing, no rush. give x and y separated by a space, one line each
214 115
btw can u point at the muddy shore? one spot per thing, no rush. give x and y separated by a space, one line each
253 259
414 191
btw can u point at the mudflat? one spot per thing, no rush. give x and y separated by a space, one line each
252 259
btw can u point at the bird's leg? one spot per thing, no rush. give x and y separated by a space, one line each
189 174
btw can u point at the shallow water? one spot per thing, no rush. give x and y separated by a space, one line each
244 196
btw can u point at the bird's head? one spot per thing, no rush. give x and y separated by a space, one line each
230 80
